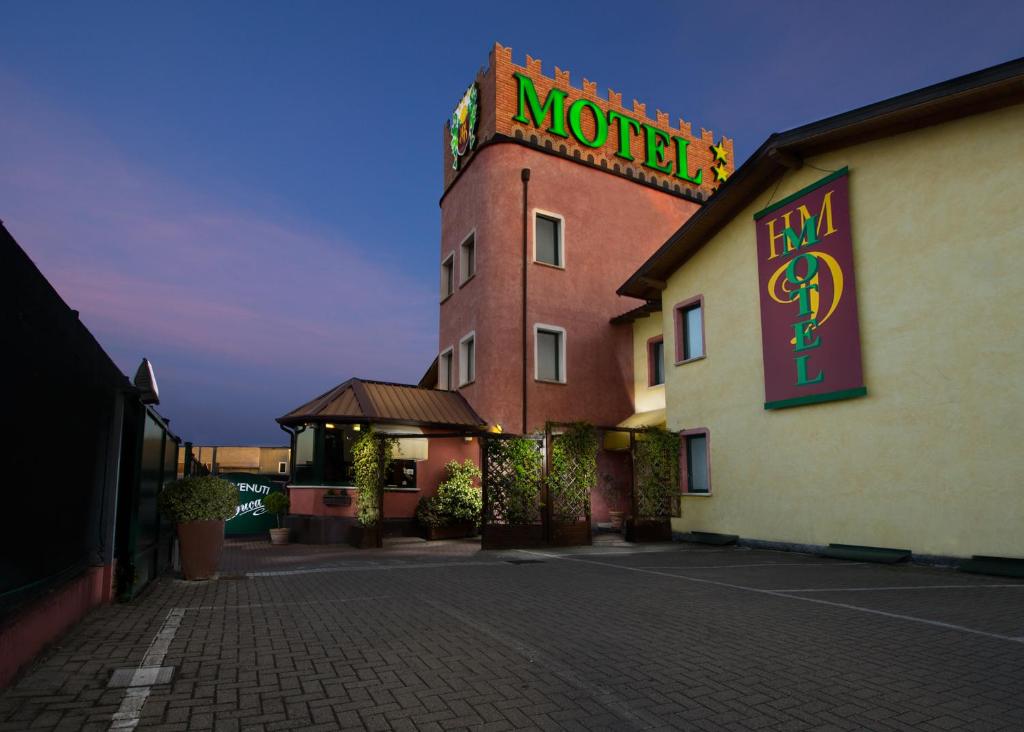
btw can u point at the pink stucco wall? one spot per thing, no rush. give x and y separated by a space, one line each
611 226
45 620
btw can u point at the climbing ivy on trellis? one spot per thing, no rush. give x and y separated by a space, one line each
513 475
573 472
656 467
372 454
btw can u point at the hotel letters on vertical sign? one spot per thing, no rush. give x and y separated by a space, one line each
809 330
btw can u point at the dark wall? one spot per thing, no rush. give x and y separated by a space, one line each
62 420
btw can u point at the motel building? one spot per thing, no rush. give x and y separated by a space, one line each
832 328
552 196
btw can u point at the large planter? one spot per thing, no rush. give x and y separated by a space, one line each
460 530
201 543
648 530
576 533
365 537
513 536
279 536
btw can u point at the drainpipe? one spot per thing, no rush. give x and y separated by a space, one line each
526 265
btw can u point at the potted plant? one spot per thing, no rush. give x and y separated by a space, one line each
199 506
612 491
453 513
277 504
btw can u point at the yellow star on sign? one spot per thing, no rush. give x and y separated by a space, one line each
721 173
721 154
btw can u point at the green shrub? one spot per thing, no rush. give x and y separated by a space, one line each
573 471
516 481
427 513
656 467
277 503
198 498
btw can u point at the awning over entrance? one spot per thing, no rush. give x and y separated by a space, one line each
407 449
620 440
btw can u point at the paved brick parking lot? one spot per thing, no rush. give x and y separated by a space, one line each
443 636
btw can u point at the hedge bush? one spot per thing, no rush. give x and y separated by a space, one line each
199 498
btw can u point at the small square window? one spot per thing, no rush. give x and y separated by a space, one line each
467 360
656 361
689 319
548 246
698 468
549 353
444 371
282 467
448 276
467 258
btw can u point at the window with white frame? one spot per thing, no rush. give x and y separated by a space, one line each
698 462
448 276
467 359
548 238
467 258
549 353
444 370
282 467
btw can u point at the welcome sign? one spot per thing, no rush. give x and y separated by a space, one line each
809 330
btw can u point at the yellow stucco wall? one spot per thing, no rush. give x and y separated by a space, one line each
645 398
931 459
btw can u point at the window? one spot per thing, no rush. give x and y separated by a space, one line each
548 239
282 467
467 360
549 353
444 371
448 276
690 330
467 258
401 474
656 361
323 454
698 465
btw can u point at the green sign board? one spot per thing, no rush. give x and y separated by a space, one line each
251 516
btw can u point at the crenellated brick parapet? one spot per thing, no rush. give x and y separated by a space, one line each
521 103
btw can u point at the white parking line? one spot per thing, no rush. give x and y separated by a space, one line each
375 568
777 593
766 564
906 587
128 714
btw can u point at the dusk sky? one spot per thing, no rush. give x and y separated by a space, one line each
247 193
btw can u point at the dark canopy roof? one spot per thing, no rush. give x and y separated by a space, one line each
378 401
982 91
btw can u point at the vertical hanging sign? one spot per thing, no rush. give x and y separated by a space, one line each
809 330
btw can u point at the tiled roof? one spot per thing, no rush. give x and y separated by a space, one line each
378 401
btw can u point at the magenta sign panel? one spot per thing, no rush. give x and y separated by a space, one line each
809 331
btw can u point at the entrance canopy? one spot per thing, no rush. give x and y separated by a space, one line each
620 440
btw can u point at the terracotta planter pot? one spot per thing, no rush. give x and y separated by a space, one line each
201 543
616 518
279 536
